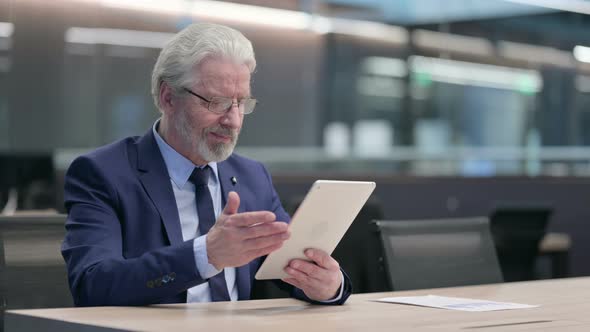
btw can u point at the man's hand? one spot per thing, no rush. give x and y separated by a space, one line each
238 238
320 279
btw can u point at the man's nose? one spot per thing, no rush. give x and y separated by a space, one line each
233 117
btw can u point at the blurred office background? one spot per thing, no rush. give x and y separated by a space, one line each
455 108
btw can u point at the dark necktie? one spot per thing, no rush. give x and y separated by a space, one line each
200 177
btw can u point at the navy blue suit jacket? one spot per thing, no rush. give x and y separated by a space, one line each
124 244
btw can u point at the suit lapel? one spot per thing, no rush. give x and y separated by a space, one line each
156 182
226 173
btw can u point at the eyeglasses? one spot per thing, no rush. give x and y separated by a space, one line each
221 105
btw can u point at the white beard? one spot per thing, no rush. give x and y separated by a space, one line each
198 141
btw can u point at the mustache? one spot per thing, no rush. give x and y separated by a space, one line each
233 133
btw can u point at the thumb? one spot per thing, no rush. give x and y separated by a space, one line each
233 203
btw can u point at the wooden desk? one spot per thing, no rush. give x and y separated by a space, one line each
565 306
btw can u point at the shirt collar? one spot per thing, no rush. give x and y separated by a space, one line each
179 168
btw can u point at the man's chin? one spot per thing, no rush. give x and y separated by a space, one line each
218 153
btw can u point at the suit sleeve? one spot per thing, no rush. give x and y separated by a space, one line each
98 273
297 293
275 201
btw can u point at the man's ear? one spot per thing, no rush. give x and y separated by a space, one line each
167 98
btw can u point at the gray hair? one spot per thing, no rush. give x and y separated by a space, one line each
191 46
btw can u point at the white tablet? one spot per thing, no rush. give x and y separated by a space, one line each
320 222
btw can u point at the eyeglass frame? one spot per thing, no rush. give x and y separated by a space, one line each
241 101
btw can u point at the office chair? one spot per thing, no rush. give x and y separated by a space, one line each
32 271
517 232
31 177
439 253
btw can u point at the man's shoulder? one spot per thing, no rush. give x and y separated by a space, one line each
240 162
239 159
109 155
113 149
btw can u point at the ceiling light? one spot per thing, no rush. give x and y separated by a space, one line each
258 15
120 37
535 54
477 74
383 66
6 29
219 10
582 53
452 42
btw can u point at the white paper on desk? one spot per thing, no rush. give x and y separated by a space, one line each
455 303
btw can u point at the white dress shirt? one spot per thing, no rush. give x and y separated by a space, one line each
180 169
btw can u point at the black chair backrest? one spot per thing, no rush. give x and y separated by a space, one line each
517 232
32 270
439 253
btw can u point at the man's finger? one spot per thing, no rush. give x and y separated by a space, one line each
264 229
305 280
264 251
310 269
266 241
250 218
322 259
233 203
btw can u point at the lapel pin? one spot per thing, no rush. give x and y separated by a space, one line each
234 180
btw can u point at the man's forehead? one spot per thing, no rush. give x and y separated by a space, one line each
222 69
224 78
